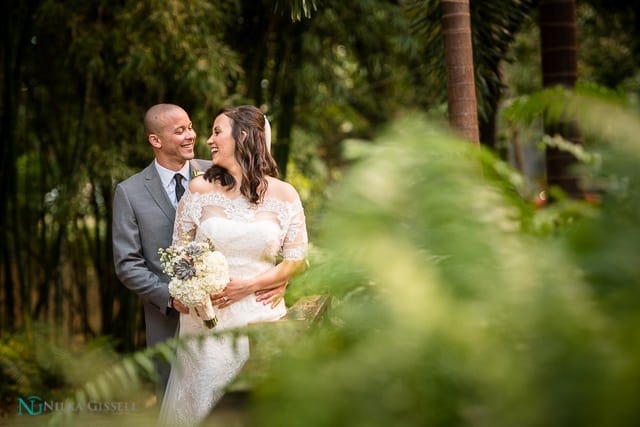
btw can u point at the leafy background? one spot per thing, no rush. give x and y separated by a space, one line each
455 300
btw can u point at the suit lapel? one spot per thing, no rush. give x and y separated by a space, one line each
153 184
193 169
197 167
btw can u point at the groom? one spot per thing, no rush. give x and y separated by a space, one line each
144 209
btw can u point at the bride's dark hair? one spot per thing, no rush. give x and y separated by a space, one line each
251 153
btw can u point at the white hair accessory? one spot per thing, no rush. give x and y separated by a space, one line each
267 133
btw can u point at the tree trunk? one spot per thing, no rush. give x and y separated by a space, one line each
16 19
289 63
560 67
461 89
252 41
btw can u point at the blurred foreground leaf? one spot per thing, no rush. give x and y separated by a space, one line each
451 311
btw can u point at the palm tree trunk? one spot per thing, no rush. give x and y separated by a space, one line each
461 89
560 67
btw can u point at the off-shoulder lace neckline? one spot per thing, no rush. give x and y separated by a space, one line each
266 201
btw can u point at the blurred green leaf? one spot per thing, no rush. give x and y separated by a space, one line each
462 315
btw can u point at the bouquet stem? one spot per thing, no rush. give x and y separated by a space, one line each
206 313
211 323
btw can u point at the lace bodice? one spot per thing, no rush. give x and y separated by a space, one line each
251 237
241 230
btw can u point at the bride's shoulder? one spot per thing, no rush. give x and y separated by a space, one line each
200 185
282 190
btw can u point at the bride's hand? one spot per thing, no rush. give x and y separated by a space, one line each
235 290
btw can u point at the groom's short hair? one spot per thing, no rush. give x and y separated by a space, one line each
154 115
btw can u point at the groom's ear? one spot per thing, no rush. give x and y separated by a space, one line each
154 140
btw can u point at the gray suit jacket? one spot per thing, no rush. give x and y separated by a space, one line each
143 219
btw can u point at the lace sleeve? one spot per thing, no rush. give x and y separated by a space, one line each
294 246
187 218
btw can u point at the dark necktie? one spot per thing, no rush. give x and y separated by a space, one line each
179 187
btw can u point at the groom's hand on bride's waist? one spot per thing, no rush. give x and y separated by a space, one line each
273 295
177 305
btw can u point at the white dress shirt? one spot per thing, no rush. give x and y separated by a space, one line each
168 181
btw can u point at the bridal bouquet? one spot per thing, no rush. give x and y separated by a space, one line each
196 270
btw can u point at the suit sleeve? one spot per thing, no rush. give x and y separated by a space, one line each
130 264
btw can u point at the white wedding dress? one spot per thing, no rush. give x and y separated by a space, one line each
250 237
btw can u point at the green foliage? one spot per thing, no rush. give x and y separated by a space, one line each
456 301
363 66
494 27
451 308
43 362
80 377
458 314
608 47
298 8
87 73
310 176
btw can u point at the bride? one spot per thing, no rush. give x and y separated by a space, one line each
252 218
